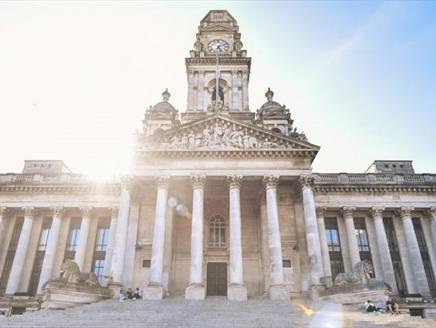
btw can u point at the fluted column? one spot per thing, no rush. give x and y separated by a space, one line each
119 252
236 289
154 289
353 248
415 259
383 248
312 235
195 290
327 269
50 251
276 289
2 226
21 252
80 255
111 242
432 213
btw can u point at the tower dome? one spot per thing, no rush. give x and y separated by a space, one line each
164 107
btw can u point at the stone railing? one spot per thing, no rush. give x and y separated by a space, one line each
373 179
11 178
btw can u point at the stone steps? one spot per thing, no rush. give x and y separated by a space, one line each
177 312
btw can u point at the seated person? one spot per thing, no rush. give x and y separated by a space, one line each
370 307
129 293
395 307
389 307
121 296
137 294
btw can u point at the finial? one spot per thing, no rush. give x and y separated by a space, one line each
166 95
269 95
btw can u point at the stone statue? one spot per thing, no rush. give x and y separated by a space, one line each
70 273
197 45
361 274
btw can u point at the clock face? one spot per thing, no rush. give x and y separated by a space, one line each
218 46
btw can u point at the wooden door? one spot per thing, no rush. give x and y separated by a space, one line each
216 279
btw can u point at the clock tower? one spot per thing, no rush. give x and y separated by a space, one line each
217 57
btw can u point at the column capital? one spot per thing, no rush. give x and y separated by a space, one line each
86 210
198 181
320 211
126 181
431 213
271 181
234 181
405 212
347 211
29 211
3 210
377 211
114 212
162 181
57 211
306 181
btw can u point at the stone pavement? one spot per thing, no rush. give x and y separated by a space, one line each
214 312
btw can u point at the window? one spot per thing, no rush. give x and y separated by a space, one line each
146 263
102 239
73 238
361 235
99 269
217 232
332 236
286 263
45 231
334 246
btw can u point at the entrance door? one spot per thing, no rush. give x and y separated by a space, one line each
216 279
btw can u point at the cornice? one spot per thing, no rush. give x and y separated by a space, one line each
223 60
217 153
375 188
82 188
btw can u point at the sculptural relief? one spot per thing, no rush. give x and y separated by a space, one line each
218 137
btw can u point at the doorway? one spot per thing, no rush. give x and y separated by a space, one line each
216 279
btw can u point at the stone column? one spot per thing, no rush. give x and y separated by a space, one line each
432 213
195 290
327 269
154 289
236 290
245 91
21 252
82 246
312 235
383 248
277 290
2 226
111 242
414 253
50 251
351 235
200 92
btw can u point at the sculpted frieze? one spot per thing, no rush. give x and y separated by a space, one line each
220 137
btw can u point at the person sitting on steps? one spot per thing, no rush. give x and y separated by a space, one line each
370 307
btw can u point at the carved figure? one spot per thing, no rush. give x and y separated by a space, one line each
70 273
184 141
361 274
191 140
197 45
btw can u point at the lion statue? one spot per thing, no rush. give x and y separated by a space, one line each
362 272
70 273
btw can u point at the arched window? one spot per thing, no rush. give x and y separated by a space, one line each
217 232
220 94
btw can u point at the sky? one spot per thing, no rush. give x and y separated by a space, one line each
77 77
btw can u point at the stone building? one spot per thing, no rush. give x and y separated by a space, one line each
219 200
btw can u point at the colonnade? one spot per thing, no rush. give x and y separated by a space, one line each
25 248
414 267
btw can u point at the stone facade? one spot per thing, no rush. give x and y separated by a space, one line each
219 200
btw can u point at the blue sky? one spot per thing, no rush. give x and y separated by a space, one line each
76 78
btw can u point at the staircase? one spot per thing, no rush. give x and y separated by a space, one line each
214 312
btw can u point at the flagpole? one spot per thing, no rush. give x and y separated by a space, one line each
217 78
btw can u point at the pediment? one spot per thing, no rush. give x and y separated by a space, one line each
218 28
219 132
